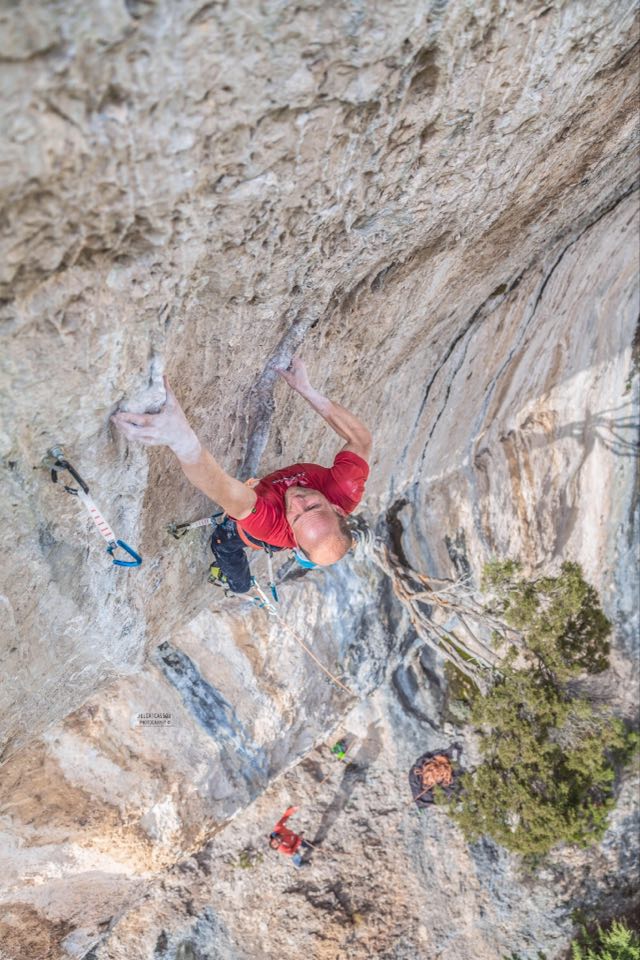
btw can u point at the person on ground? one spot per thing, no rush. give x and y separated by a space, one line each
303 506
286 841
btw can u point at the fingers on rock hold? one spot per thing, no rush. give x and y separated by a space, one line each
135 419
127 430
170 395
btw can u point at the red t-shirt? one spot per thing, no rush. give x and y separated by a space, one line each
342 485
290 842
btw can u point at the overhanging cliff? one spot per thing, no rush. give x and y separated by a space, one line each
437 204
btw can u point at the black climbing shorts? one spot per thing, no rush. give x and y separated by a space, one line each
229 551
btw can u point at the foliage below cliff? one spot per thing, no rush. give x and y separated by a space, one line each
549 753
616 943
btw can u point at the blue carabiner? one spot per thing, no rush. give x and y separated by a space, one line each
137 559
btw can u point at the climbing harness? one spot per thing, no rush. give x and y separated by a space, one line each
253 544
56 462
178 530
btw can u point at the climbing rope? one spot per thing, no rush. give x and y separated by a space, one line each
274 613
438 771
178 530
56 461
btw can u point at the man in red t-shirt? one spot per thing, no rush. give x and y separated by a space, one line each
303 505
286 841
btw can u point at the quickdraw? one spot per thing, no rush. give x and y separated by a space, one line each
56 462
272 582
178 530
262 599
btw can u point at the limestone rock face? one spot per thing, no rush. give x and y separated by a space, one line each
436 203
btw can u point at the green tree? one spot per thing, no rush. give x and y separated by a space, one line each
559 618
616 943
549 757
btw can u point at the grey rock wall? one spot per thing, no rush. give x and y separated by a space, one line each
147 771
386 881
199 189
436 203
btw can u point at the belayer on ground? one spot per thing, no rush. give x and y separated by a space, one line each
302 507
287 842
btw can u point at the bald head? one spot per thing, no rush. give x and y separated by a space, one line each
319 528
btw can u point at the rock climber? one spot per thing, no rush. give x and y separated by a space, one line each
286 841
303 506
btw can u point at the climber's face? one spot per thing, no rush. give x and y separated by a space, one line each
315 526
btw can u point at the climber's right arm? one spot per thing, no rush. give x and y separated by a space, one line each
171 428
207 475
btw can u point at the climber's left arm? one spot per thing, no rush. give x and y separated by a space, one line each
346 424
